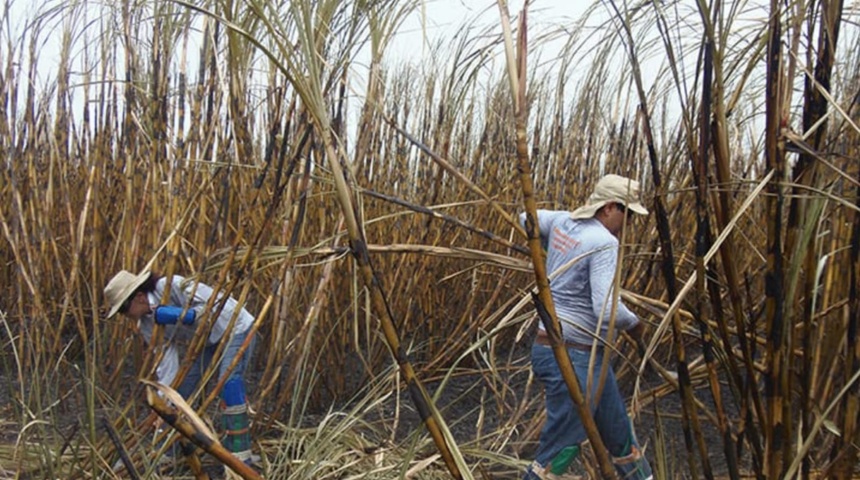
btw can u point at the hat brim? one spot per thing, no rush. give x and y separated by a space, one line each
127 291
588 211
637 207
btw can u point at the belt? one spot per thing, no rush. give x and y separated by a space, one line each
543 339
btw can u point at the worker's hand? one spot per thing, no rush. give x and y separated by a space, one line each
636 331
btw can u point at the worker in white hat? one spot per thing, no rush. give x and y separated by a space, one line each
586 241
139 298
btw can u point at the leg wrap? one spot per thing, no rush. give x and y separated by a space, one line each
633 465
234 417
536 471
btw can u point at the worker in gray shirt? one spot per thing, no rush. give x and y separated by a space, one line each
582 255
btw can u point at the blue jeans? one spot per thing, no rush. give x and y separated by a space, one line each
563 427
201 364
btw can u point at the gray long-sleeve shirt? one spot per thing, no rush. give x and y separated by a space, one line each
583 292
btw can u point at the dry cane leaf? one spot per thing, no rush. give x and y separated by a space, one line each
423 464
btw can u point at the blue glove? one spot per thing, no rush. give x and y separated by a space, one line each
168 315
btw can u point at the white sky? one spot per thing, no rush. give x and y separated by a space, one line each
436 23
449 14
439 20
435 20
443 18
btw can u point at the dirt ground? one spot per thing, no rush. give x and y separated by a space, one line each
462 398
469 400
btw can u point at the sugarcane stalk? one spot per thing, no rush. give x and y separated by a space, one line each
775 331
703 237
845 446
120 448
690 422
543 299
804 214
430 212
751 406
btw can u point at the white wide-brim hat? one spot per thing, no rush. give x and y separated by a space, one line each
121 286
612 188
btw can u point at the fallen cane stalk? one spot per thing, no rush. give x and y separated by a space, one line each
185 421
120 448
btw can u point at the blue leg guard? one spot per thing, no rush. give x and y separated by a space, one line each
234 416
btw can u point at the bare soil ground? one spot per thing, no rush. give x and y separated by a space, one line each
469 403
461 400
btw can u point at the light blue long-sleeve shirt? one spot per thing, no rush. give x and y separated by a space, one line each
583 292
194 296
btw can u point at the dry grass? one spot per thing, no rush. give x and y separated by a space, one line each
228 140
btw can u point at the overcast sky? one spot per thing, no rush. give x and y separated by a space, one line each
442 18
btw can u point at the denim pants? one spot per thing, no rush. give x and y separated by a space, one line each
563 427
201 363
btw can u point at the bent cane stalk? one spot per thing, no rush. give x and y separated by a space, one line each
543 299
309 49
301 68
186 422
358 246
690 420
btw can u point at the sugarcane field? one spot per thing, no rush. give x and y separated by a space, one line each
430 239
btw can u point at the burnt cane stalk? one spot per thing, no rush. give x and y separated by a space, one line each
775 425
751 407
197 435
703 235
844 447
690 420
802 211
543 299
